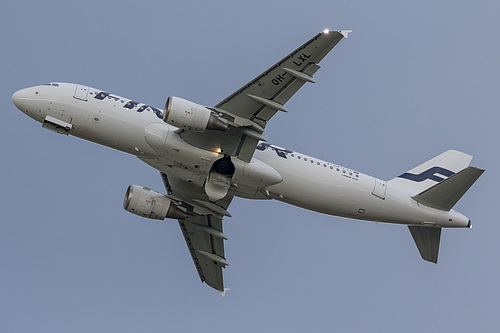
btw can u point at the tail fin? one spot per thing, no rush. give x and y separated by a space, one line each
444 195
432 172
438 183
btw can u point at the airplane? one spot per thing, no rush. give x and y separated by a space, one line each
207 155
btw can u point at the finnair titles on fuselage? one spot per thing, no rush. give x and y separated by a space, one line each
208 155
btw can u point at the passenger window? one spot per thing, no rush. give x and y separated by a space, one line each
157 112
131 105
102 95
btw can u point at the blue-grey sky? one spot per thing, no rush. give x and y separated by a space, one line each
414 79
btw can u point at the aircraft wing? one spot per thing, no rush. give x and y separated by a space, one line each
248 110
202 229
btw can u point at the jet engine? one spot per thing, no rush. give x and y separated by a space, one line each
144 202
190 116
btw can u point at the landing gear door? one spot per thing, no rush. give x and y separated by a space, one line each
81 92
380 188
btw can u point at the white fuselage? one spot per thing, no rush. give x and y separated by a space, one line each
273 172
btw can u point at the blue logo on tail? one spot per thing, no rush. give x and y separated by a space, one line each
435 173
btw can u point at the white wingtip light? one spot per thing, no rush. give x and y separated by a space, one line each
326 31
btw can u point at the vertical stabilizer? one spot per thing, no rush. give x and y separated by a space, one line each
432 172
427 241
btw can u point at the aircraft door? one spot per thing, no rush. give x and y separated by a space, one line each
81 92
380 188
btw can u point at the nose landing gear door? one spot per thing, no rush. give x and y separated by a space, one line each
81 92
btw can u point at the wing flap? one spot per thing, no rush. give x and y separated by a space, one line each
204 238
247 148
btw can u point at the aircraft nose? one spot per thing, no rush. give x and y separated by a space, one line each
20 97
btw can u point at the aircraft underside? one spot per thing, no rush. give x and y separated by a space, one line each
207 155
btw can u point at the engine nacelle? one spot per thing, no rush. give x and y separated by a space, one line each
144 202
190 116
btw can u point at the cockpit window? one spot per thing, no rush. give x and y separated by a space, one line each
51 84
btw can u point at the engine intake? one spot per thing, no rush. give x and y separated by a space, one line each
144 202
191 116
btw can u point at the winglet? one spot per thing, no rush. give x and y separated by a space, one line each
345 33
223 293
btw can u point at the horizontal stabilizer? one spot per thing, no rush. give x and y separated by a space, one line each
427 241
444 195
